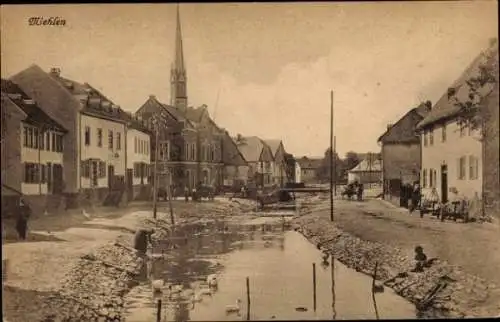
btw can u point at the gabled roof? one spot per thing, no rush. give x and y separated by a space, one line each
154 104
445 108
309 163
35 115
251 147
274 145
373 165
231 155
403 131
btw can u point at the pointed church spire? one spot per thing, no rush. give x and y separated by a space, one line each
178 82
179 52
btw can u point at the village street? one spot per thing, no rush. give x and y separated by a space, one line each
39 266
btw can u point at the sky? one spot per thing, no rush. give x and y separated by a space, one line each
264 69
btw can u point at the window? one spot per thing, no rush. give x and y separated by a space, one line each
193 151
41 142
431 137
85 165
87 136
102 169
25 136
461 168
473 167
118 141
30 137
135 145
99 138
59 142
53 142
462 129
186 152
147 147
443 133
212 153
431 178
424 178
425 138
43 173
31 173
47 146
35 138
110 140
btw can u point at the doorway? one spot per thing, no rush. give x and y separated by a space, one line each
57 178
111 176
444 183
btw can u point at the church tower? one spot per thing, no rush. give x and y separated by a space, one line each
178 79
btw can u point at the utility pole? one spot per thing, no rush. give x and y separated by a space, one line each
331 158
335 164
155 173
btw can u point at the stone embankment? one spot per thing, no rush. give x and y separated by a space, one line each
441 290
95 286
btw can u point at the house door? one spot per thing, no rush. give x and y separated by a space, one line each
444 183
57 178
111 176
130 191
49 178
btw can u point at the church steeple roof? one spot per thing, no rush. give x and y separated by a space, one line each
179 52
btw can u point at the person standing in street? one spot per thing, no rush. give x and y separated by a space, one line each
360 191
22 219
415 197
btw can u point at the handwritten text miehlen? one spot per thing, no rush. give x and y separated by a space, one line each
42 21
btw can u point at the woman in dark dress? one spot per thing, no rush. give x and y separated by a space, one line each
22 219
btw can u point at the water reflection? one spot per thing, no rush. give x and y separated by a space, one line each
278 263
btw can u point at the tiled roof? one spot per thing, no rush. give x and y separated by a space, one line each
373 165
445 108
35 115
250 147
231 155
102 106
309 163
403 131
195 114
274 145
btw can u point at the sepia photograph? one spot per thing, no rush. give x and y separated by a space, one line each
250 161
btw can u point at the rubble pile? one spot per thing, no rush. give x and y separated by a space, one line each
95 287
439 291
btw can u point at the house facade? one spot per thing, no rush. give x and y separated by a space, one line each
138 147
401 152
309 169
452 159
32 149
94 156
278 166
368 171
259 158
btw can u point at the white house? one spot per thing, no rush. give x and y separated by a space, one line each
94 145
298 171
37 149
451 153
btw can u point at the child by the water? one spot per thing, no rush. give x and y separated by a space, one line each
420 258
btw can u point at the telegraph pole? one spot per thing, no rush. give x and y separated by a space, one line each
335 165
155 173
332 156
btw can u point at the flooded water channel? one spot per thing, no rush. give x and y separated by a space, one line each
278 263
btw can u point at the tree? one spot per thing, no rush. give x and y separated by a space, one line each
473 111
479 87
351 160
323 172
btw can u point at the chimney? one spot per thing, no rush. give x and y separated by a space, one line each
69 85
428 105
389 126
152 96
56 72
